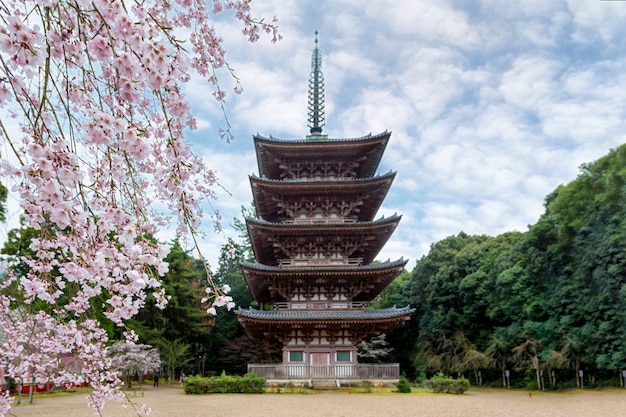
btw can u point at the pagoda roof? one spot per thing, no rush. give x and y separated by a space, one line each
368 149
269 284
372 189
278 325
331 270
314 316
266 236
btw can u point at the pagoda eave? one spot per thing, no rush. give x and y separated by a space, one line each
270 150
270 194
275 241
271 284
312 228
278 325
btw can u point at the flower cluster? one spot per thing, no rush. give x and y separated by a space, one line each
96 87
220 300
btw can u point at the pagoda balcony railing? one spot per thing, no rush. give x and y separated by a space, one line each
320 220
311 262
320 305
361 371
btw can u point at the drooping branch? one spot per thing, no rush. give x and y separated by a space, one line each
96 87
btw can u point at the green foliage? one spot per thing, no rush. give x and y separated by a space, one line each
3 202
16 248
17 245
227 328
196 385
228 347
225 384
403 385
374 350
183 318
444 384
182 328
175 355
366 384
550 299
183 322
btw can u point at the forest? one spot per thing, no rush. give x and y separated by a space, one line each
540 309
547 305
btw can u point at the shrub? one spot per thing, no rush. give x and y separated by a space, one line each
196 385
448 385
403 385
225 384
366 385
251 384
420 376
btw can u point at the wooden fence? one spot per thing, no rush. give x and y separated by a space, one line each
362 371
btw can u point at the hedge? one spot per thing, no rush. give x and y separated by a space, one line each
442 383
225 384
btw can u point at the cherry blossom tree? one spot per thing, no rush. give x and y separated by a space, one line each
134 359
93 115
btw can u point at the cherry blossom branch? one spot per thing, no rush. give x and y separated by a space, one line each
96 87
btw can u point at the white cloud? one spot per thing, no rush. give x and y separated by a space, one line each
597 22
437 22
530 82
492 104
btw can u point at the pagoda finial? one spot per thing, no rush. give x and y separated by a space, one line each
316 116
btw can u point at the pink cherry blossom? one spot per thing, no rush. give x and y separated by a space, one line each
97 87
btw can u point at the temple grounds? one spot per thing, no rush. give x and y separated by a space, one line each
172 402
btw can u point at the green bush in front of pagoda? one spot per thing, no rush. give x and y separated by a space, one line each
225 384
445 384
403 385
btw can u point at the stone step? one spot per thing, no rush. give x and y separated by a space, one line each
325 384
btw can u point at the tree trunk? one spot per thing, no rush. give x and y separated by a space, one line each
19 390
30 389
476 376
538 373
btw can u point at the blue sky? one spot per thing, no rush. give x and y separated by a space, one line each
491 104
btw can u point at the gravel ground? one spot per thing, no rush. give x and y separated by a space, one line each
172 402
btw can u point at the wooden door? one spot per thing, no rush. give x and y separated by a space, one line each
320 362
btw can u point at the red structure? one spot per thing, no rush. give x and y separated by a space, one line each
314 239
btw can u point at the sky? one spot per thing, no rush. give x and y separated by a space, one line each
491 104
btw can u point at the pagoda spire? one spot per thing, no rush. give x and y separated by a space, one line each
316 93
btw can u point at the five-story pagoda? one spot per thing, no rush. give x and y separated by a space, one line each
314 242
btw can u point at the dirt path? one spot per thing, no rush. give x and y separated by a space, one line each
172 402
